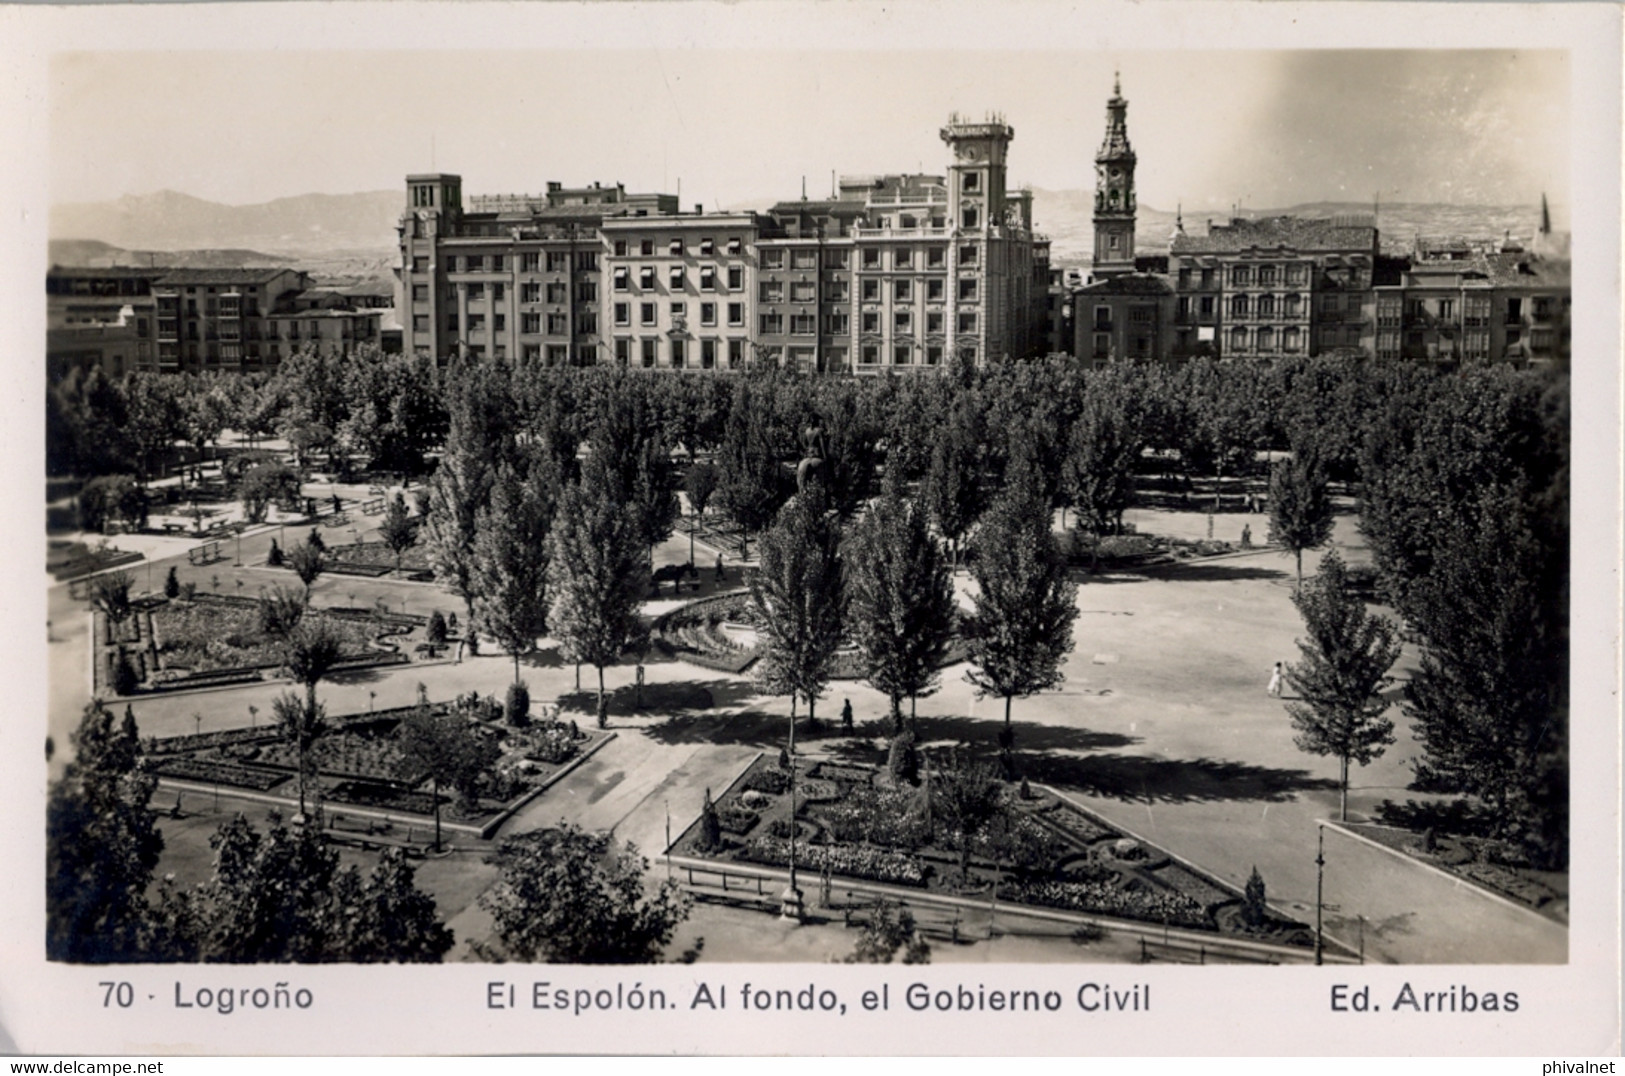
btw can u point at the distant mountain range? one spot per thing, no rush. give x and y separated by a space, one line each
355 233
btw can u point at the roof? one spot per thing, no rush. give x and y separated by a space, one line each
248 275
1130 284
1525 270
1294 233
118 272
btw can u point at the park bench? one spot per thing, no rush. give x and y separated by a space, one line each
206 553
373 507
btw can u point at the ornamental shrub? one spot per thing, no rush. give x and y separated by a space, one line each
172 585
1253 909
436 631
273 559
315 539
516 710
903 759
124 678
710 824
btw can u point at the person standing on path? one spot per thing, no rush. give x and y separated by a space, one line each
1275 681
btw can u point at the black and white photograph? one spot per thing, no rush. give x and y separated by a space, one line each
839 525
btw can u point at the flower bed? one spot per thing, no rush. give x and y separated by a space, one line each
737 819
1193 886
375 554
552 744
1153 906
385 797
200 741
831 771
1076 824
216 772
851 861
217 635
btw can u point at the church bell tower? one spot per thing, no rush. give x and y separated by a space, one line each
1114 193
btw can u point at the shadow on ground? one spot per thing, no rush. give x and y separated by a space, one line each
665 697
1161 780
1213 573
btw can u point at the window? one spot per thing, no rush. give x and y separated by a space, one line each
967 289
972 181
736 351
967 321
622 278
903 322
901 354
648 349
1241 275
1207 278
967 255
420 264
620 248
499 263
836 291
676 278
646 248
772 323
646 278
871 258
679 314
531 323
967 355
708 246
420 324
1266 306
1266 339
734 245
557 324
836 324
708 314
770 291
556 293
499 323
903 290
935 257
623 351
1290 306
736 277
902 258
803 324
969 217
623 313
836 259
708 351
678 353
871 291
451 324
1447 309
933 356
1238 306
1184 278
1266 276
1238 339
586 291
708 278
476 292
736 314
530 292
871 321
646 313
869 355
803 258
476 323
773 258
676 248
475 263
557 261
933 321
1182 308
934 290
1290 339
1206 306
420 293
1514 312
803 291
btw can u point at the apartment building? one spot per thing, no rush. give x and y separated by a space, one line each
221 319
100 317
891 273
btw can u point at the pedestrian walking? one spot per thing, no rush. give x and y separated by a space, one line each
1275 681
459 652
720 576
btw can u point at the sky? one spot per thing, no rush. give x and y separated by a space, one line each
741 127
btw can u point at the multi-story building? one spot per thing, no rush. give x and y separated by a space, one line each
1509 305
221 319
898 272
1114 192
100 317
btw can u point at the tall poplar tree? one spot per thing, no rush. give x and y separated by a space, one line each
1300 505
797 590
1020 630
510 554
900 599
1344 671
953 485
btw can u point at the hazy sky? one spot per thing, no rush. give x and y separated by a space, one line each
1262 129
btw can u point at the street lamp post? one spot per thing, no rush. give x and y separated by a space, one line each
790 906
1320 880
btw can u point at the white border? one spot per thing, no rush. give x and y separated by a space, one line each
1566 1010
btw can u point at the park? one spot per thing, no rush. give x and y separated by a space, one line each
753 627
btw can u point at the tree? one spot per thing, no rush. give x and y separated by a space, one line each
444 748
281 610
969 797
510 560
1300 506
798 591
397 529
111 498
569 897
101 845
1020 629
267 484
749 485
1098 471
308 562
1343 674
172 584
301 726
281 896
953 485
110 594
890 930
436 631
654 494
900 599
516 708
700 483
154 417
1254 907
596 576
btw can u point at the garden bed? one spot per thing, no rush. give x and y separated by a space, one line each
857 822
1481 860
210 771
